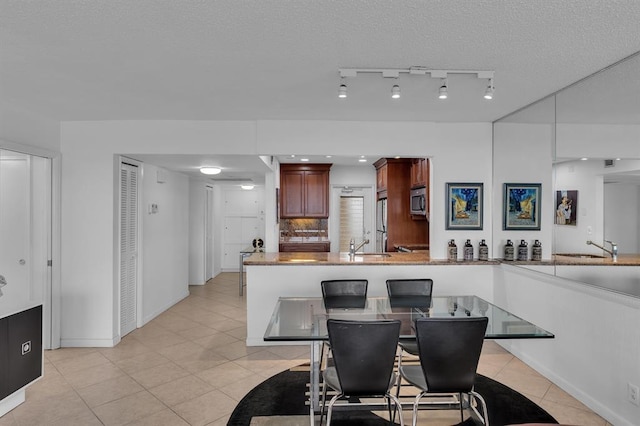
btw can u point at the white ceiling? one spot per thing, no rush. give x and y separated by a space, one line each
279 59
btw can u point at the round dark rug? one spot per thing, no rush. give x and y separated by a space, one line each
284 394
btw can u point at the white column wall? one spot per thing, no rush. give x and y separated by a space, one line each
165 242
197 201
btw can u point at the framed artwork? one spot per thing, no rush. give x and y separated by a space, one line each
522 206
464 205
567 207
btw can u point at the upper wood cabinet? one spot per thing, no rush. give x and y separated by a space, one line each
419 172
304 190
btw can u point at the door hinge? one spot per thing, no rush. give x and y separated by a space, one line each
49 262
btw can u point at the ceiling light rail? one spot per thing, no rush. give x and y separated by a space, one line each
419 71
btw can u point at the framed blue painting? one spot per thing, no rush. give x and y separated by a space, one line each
522 206
464 205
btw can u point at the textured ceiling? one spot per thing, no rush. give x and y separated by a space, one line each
278 59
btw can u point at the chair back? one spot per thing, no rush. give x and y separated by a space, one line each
364 354
344 293
410 293
449 350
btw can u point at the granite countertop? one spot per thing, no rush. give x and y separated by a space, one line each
623 260
391 258
314 239
419 258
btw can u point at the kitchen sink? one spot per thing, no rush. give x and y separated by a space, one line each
581 255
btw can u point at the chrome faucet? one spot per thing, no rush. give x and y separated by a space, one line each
353 248
614 248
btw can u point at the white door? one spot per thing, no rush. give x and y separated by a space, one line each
208 239
25 233
352 217
128 247
15 211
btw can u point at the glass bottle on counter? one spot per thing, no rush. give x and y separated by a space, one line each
452 251
468 251
536 251
483 251
508 250
523 251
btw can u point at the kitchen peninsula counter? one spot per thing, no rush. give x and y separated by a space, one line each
333 259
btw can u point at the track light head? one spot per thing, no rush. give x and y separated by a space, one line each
488 94
395 92
342 91
442 92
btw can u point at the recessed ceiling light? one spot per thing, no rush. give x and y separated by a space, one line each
304 159
584 159
362 160
328 156
210 170
292 156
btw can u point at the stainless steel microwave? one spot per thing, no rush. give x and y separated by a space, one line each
419 201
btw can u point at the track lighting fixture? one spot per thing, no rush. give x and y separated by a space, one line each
342 91
442 92
488 94
420 71
395 92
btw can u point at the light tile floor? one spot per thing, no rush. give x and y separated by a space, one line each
190 366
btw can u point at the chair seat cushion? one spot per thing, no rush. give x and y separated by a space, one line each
330 377
414 375
409 346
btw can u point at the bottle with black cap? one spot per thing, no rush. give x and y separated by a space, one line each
523 251
536 251
483 251
468 251
452 251
508 250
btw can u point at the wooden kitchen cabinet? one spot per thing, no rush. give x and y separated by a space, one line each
419 172
304 190
401 226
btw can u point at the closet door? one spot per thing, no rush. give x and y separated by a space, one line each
128 247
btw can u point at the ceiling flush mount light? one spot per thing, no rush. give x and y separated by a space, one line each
210 170
442 92
488 94
247 186
418 71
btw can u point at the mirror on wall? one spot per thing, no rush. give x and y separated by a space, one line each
593 130
597 162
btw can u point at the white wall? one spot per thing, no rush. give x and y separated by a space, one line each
523 154
596 347
165 249
460 152
22 127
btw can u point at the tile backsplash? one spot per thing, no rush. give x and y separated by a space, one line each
304 227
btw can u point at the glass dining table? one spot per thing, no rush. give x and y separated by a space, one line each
304 319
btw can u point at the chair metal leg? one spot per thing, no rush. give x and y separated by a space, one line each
461 408
324 400
398 407
330 408
416 402
485 415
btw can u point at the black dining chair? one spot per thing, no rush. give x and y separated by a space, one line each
344 294
410 293
364 355
449 351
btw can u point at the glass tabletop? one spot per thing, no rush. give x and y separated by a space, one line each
296 318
